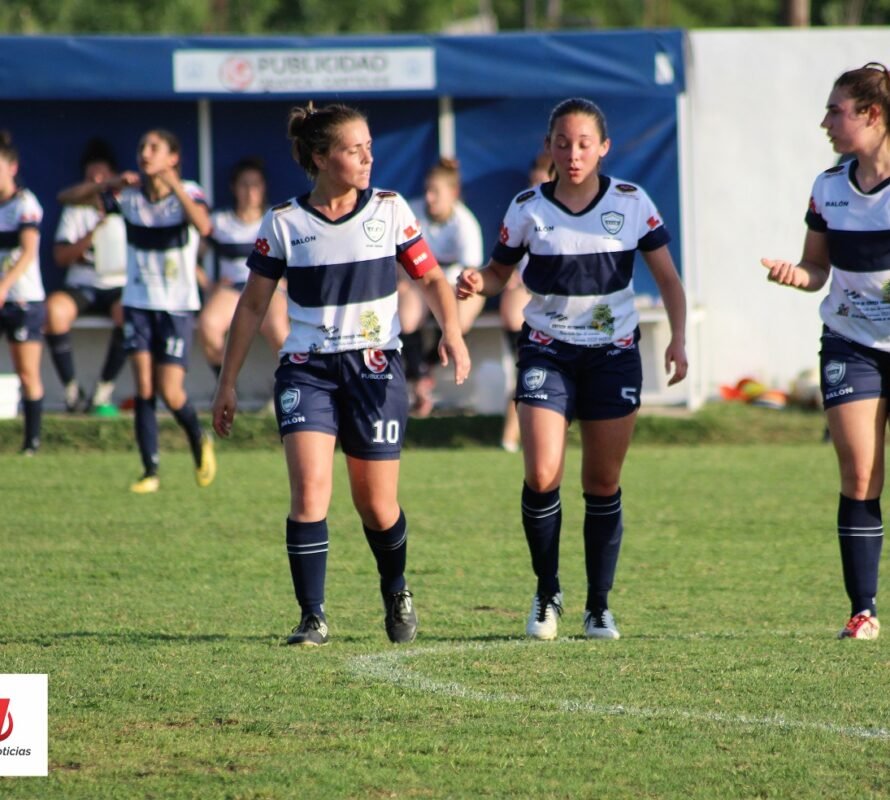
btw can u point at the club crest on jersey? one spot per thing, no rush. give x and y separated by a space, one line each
539 338
612 221
369 323
290 399
298 358
376 361
533 379
834 372
374 229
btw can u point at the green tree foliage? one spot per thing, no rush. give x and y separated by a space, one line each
313 17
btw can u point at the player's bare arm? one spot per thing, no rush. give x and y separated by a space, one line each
440 298
661 265
488 281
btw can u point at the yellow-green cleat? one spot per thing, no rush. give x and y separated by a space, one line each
206 471
147 484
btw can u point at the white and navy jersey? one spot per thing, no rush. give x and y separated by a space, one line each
857 226
75 223
455 242
21 211
232 242
579 269
162 251
341 276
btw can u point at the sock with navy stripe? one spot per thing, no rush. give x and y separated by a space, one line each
603 528
307 552
542 520
390 548
860 533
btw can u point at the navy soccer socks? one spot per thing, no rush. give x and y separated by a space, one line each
603 527
860 534
33 415
146 423
188 420
542 520
390 549
307 552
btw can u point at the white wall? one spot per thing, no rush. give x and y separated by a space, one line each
755 101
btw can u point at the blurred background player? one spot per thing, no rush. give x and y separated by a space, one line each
341 373
91 247
22 299
513 301
578 353
455 239
165 216
232 240
848 227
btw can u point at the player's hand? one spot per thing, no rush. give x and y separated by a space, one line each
169 177
126 178
455 348
225 404
469 283
675 354
784 273
4 291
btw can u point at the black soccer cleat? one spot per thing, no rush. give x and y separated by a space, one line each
401 618
311 632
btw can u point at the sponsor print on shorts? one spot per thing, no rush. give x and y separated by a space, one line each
376 361
298 358
538 337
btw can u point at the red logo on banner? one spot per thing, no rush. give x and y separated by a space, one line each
5 733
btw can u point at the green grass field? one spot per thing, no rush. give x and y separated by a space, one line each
159 620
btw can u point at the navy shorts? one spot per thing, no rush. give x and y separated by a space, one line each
850 371
93 301
589 383
360 396
23 322
166 335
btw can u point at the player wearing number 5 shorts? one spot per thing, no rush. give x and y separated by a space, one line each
578 355
340 374
165 217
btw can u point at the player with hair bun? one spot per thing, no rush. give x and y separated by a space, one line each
578 354
22 298
848 231
340 374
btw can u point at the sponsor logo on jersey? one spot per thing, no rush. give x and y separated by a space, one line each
612 221
412 230
533 378
625 187
262 246
653 222
290 399
625 342
304 240
837 203
602 319
843 310
369 324
376 361
885 291
525 196
504 234
812 205
538 337
543 228
298 358
834 372
374 229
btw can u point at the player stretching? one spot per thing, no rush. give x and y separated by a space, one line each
848 225
165 218
578 354
341 372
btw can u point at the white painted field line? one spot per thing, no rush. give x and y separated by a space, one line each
388 668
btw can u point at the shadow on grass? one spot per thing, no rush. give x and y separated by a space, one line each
135 637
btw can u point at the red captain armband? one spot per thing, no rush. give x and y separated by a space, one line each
417 259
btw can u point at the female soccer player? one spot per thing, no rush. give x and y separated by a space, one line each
165 216
234 234
22 306
340 373
455 239
93 285
848 225
578 354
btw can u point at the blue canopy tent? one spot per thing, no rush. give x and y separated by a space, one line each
483 99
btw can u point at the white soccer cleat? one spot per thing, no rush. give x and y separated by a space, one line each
600 625
861 626
544 616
